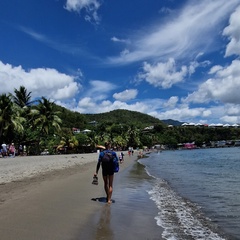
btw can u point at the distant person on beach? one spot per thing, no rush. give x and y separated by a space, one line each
4 150
105 160
121 157
20 150
122 154
12 150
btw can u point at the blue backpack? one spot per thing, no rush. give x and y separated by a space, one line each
115 165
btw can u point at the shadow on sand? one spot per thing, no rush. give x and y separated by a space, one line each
101 199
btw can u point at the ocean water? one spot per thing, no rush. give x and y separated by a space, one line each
196 193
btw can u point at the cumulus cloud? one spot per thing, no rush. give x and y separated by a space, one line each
92 105
215 69
45 82
181 113
106 106
163 74
90 6
220 114
230 113
224 86
171 102
230 119
86 103
232 31
126 95
232 110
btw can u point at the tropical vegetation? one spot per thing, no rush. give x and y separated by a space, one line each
42 125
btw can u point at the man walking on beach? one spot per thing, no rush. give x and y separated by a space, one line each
105 159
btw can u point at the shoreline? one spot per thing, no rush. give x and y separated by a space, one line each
51 197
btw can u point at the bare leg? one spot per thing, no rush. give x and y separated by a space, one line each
110 189
105 179
108 186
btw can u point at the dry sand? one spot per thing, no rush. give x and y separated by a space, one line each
48 197
13 169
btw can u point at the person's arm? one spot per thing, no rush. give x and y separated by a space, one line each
97 168
98 164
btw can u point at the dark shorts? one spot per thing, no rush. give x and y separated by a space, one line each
107 169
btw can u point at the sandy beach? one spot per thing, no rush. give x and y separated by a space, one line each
50 197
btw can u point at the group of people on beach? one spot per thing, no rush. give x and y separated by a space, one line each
9 150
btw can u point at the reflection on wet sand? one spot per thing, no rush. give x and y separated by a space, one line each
104 228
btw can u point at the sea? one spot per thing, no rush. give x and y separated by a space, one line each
196 192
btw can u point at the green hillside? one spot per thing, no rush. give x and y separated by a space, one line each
124 117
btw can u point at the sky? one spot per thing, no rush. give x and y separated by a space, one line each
171 59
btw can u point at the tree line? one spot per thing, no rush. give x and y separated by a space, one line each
41 124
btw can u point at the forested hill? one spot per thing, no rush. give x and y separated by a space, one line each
124 117
172 122
75 119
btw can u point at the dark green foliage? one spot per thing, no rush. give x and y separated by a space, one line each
71 119
124 117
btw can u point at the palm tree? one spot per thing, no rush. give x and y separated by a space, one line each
22 98
10 120
133 134
46 122
68 143
120 142
46 119
22 102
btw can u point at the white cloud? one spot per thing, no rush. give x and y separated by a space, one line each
171 102
232 109
163 74
230 119
86 103
70 48
224 86
115 39
126 95
232 31
225 114
165 10
163 109
99 90
215 69
45 82
207 113
91 105
90 6
183 113
187 33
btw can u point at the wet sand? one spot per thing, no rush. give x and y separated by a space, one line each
54 201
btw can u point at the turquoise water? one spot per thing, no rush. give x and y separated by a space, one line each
196 192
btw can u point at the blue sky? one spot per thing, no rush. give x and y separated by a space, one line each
172 59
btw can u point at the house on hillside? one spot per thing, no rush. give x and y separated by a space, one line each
75 130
